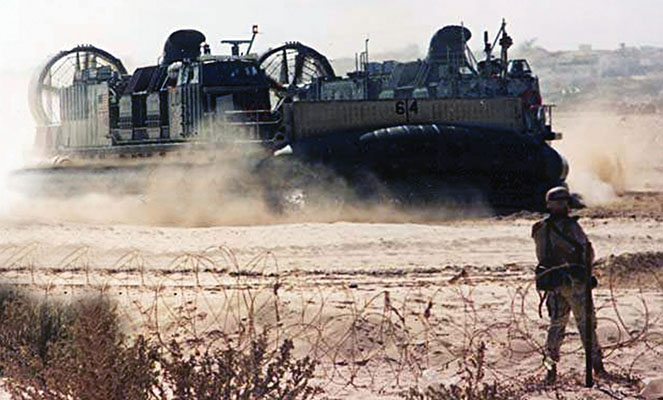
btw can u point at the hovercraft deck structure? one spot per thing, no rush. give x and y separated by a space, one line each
422 130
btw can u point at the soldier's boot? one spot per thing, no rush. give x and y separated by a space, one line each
597 365
600 371
551 375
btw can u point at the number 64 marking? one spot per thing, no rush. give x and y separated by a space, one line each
406 107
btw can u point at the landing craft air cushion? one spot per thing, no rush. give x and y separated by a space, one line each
443 127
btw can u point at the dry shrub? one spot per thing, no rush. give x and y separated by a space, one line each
97 363
470 386
54 351
51 350
226 373
29 328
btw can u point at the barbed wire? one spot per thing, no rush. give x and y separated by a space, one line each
387 331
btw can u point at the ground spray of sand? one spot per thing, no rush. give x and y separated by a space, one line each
609 154
605 153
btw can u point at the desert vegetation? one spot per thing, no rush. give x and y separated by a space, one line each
205 326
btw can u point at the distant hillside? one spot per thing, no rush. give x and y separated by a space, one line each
629 79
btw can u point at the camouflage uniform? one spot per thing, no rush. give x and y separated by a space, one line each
557 239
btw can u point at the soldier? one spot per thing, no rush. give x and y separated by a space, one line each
563 251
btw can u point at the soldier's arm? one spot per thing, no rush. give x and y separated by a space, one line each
538 235
576 232
535 228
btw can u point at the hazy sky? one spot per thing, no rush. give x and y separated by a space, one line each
134 30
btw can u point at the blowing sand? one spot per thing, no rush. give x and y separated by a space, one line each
440 285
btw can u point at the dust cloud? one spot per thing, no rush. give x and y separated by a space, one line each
163 192
16 130
226 192
610 154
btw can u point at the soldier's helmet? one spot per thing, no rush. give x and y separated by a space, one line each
558 193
